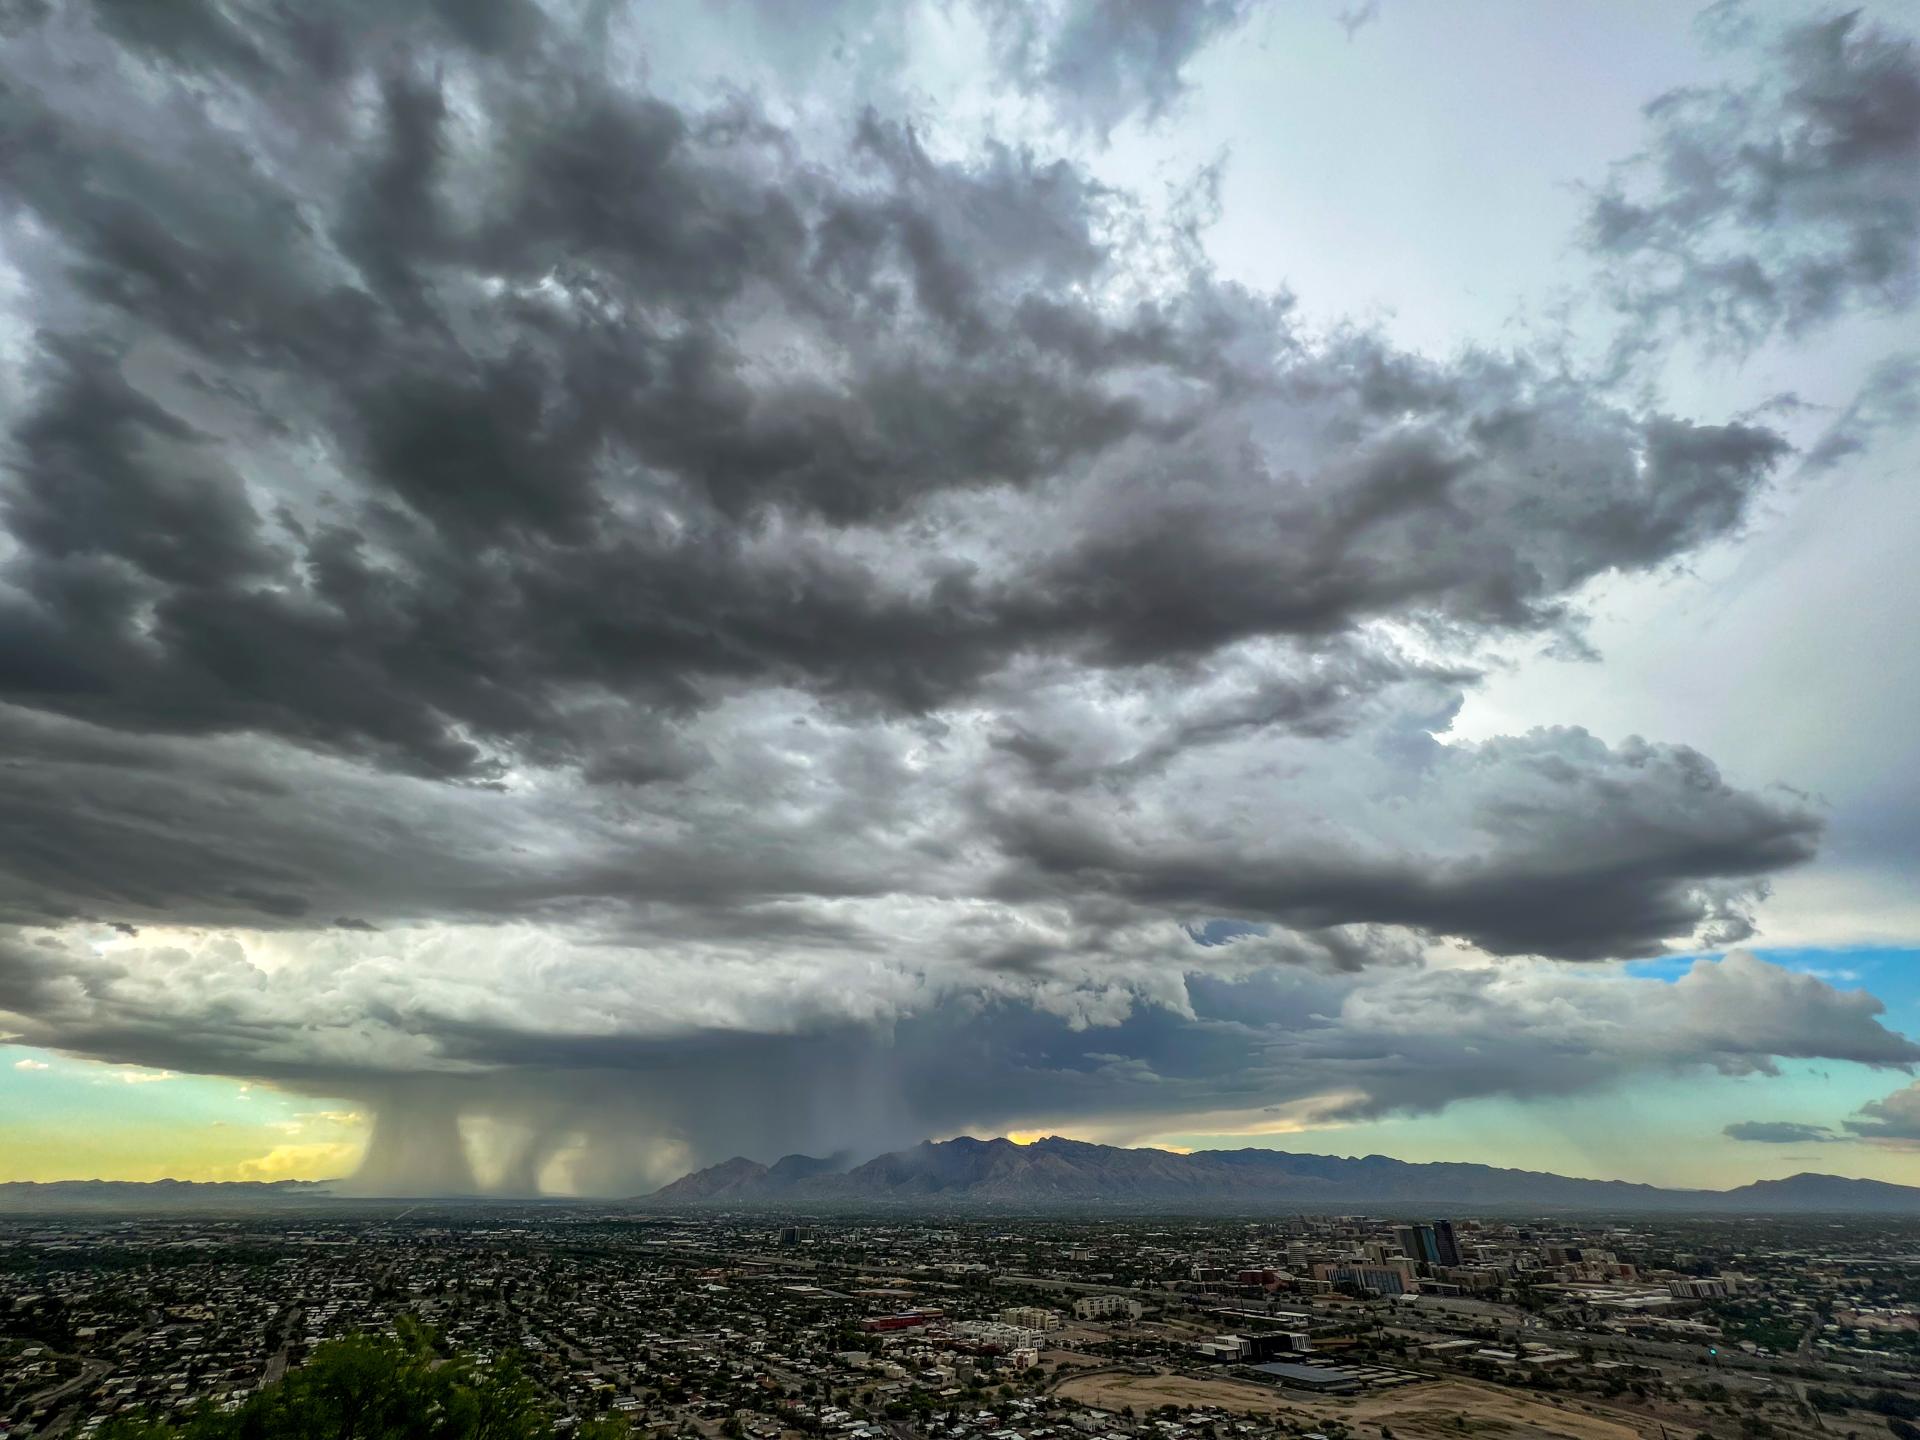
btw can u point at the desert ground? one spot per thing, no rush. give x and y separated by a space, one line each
1442 1410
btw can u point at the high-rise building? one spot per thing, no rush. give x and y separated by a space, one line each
1395 1277
1446 1242
1419 1243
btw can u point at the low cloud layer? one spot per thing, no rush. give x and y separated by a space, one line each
521 594
626 1068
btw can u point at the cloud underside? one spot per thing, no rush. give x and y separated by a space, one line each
513 575
585 1053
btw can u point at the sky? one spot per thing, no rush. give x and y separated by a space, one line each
585 589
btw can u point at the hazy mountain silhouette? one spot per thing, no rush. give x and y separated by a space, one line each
1059 1173
149 1194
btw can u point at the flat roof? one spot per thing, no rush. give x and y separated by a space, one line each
1310 1375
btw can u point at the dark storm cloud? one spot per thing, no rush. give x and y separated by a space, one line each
1559 845
611 504
1779 1132
1333 694
1662 841
614 401
106 475
103 826
1779 205
538 572
1466 511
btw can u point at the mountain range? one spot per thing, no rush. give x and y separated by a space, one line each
1057 1173
154 1194
1061 1174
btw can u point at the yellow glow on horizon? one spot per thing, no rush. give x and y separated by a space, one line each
149 1152
63 1117
1171 1132
1029 1137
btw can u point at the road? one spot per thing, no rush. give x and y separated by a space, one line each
1640 1347
1803 1353
92 1372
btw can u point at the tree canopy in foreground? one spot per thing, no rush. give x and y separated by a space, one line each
376 1387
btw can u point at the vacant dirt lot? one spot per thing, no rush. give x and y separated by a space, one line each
1443 1410
1427 1411
1145 1392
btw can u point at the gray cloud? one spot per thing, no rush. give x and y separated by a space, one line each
1663 841
1780 1132
1356 17
1894 1120
1889 399
1776 205
637 405
1101 62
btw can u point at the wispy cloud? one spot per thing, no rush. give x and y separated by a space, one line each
1780 1132
141 1077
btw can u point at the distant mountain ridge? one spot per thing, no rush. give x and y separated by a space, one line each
1057 1173
68 1194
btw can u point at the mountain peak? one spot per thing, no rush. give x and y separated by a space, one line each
730 1179
801 1167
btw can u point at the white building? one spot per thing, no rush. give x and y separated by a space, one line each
1030 1317
1105 1307
996 1332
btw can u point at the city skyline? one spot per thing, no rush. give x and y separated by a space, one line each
585 590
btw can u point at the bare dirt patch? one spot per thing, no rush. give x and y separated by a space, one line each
1428 1412
1145 1392
1440 1410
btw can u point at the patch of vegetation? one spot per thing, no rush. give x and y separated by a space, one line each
377 1387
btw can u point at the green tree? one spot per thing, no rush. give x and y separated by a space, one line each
370 1387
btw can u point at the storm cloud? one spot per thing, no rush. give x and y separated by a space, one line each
520 590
